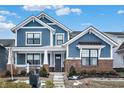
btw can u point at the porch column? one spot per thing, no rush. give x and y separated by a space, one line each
45 58
45 62
15 59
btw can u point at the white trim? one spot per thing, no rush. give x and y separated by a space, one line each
15 38
15 58
21 65
51 38
29 20
91 46
45 61
36 33
50 59
105 58
111 52
54 21
67 52
50 23
56 38
73 58
94 31
32 27
40 59
39 49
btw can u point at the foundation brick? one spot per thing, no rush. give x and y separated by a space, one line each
103 65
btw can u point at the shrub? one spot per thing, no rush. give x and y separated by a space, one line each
113 72
7 73
72 71
49 84
83 72
43 72
23 73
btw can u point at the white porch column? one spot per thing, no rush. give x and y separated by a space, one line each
51 38
45 62
15 59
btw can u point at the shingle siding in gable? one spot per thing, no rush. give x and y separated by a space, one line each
32 24
45 20
75 52
21 36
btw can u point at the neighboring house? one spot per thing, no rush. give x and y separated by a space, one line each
42 40
4 44
118 52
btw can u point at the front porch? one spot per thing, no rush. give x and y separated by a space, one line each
25 58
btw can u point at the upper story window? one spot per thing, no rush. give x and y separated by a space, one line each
59 38
89 57
33 38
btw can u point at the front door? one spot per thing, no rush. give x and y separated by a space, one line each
57 62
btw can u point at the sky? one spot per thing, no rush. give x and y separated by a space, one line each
76 17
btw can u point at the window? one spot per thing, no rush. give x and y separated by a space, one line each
33 59
89 57
59 38
33 38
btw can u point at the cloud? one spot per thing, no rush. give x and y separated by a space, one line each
86 24
120 12
2 18
67 11
36 7
5 24
8 13
60 10
76 10
63 11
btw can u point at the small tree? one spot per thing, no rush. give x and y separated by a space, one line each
72 71
43 72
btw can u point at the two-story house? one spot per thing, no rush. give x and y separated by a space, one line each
42 40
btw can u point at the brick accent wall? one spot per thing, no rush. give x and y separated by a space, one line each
103 65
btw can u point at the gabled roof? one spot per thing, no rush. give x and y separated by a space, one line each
55 21
29 20
94 31
7 42
74 33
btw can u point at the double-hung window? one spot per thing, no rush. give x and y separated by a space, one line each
89 57
33 59
59 38
33 38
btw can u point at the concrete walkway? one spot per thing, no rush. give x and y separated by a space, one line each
58 80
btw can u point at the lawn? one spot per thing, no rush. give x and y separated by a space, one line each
94 83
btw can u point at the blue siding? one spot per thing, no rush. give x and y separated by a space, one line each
21 36
30 24
3 58
60 30
21 59
75 52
